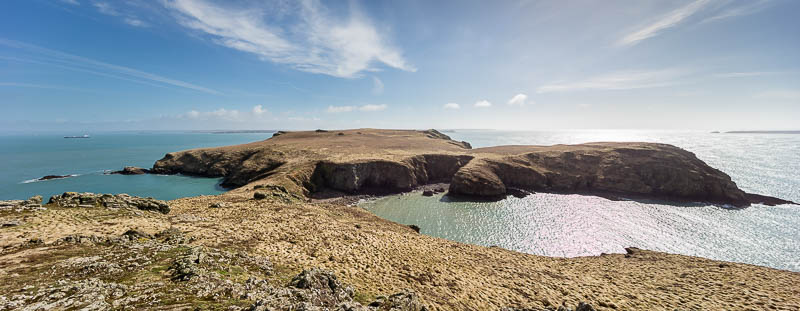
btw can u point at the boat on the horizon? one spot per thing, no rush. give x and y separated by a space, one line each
82 136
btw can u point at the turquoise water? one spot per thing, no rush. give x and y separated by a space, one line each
24 158
577 225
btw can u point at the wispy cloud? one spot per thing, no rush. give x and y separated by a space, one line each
72 2
623 80
307 37
744 8
135 22
59 59
377 86
222 114
746 74
370 107
105 8
366 108
665 22
518 100
219 114
482 104
451 106
779 95
338 109
41 86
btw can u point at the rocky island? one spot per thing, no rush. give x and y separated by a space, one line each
268 244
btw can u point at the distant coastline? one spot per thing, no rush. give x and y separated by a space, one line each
762 132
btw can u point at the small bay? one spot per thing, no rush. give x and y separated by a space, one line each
579 225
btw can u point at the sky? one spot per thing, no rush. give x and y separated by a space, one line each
93 65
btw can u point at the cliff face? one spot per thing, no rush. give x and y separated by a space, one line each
642 169
356 161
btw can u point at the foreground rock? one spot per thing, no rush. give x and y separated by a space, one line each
34 203
88 200
370 161
124 273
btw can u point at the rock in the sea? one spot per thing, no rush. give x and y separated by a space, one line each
49 177
74 199
132 170
414 227
427 193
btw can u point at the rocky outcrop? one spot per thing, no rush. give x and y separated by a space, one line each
131 170
88 200
368 161
34 203
237 168
637 169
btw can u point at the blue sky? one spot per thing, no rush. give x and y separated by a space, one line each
86 65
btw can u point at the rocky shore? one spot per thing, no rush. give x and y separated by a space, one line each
267 245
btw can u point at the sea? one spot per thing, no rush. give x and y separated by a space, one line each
26 158
542 223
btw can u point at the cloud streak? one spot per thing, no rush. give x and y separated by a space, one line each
623 80
309 38
453 106
667 21
365 108
78 63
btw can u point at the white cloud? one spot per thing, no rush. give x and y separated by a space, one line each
377 86
518 100
366 108
337 109
373 107
77 63
259 110
72 2
219 114
105 8
665 22
135 22
451 106
483 104
301 34
623 80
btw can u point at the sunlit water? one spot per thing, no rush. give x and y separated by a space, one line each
577 225
25 158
